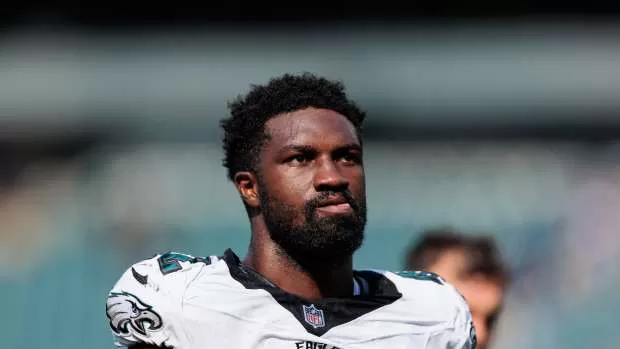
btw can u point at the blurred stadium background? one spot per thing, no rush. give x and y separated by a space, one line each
493 118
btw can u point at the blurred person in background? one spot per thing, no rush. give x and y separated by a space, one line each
473 265
293 150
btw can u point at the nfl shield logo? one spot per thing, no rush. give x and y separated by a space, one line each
314 316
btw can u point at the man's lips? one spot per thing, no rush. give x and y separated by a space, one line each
335 205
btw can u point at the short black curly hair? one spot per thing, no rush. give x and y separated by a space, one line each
244 131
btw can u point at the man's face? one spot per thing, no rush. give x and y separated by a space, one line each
483 295
312 186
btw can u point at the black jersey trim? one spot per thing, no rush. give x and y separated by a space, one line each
335 311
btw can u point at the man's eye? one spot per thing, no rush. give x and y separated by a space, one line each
351 158
298 159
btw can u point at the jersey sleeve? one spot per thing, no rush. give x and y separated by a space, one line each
144 304
461 334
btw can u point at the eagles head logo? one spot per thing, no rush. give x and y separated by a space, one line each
126 313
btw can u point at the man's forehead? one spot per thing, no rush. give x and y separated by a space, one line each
311 125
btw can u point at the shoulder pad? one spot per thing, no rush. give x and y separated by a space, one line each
171 262
144 304
422 276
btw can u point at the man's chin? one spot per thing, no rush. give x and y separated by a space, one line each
334 223
324 251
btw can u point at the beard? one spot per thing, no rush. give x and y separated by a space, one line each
316 242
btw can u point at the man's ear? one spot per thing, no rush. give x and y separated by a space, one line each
247 185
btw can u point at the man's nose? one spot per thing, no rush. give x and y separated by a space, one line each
329 177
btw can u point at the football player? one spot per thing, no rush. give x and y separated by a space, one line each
293 149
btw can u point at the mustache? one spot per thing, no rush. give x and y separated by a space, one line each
324 196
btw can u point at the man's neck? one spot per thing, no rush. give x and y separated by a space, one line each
266 258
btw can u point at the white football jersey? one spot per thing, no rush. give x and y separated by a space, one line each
183 302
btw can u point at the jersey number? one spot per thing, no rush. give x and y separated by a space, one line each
422 275
170 262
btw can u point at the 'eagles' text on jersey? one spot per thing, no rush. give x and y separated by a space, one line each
183 302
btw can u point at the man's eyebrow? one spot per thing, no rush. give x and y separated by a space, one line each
296 147
308 148
351 146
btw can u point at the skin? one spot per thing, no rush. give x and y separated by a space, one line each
309 151
483 295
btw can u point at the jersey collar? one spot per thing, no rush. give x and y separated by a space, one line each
374 291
